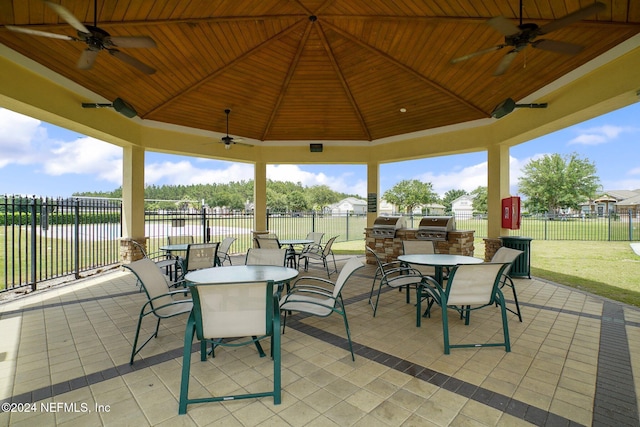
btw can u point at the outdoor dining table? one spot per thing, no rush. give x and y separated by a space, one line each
439 261
181 247
294 242
169 249
243 273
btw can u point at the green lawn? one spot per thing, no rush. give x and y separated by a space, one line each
608 269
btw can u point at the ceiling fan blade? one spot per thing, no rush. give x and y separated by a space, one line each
576 16
38 33
503 26
505 63
68 17
478 53
87 59
142 42
557 46
132 61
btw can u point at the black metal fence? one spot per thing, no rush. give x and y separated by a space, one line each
206 226
45 238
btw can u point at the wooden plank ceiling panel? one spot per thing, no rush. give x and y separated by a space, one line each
343 75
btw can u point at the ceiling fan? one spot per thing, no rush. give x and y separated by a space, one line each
520 36
96 39
228 140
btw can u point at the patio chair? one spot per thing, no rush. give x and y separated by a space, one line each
317 241
180 240
320 254
260 256
395 275
221 314
508 255
419 247
469 287
317 296
223 251
160 301
199 255
270 241
162 260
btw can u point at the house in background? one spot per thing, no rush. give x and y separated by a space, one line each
462 207
349 206
387 208
613 201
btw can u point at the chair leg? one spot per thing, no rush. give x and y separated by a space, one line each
505 322
258 346
135 340
375 307
346 326
186 365
276 354
445 329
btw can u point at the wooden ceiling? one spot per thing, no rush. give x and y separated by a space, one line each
314 69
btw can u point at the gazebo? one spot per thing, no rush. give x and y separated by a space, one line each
325 82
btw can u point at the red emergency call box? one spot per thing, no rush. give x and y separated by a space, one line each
511 213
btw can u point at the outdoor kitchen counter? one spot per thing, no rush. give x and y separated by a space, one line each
458 242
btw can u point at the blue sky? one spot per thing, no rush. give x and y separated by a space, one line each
37 158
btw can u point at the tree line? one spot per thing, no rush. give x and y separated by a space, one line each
548 184
281 196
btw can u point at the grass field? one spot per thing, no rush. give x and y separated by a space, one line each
608 269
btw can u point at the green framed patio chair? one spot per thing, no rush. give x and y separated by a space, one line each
394 275
223 251
508 255
160 301
262 256
469 287
221 314
320 297
320 255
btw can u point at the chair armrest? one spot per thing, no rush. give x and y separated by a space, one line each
313 280
311 289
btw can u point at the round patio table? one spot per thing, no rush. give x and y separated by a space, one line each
438 261
243 273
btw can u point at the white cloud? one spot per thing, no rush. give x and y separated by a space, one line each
185 173
468 178
600 135
344 183
21 139
88 156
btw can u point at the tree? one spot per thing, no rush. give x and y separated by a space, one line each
556 182
407 194
450 196
480 199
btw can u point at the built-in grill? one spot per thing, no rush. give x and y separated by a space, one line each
435 227
386 226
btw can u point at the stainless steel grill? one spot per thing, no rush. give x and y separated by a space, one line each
386 226
435 227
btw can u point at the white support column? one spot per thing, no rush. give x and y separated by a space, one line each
497 188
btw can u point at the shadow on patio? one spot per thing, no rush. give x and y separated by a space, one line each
65 351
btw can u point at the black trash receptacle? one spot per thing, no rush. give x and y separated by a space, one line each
522 265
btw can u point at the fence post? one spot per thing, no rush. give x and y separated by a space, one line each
206 234
76 241
609 230
347 236
313 221
34 252
267 226
630 227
